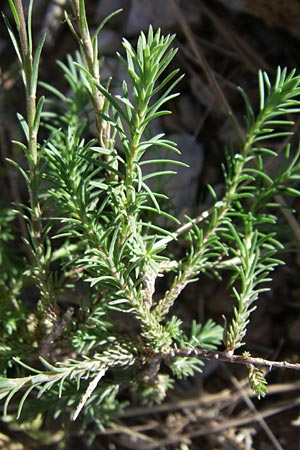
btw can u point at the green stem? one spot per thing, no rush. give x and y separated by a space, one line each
90 54
42 273
192 266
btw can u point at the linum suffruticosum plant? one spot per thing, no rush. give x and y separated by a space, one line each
95 238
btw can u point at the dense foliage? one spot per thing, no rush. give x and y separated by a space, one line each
99 236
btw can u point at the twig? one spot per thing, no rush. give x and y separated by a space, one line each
251 58
204 400
91 387
183 229
229 423
204 431
229 358
59 328
257 415
290 218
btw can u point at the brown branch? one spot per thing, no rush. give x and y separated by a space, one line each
59 328
256 414
182 229
204 400
229 358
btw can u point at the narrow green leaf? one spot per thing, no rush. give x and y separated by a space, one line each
14 13
35 64
261 90
20 169
13 38
29 26
103 23
22 401
72 29
12 393
38 114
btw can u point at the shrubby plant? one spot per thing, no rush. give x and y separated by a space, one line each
95 238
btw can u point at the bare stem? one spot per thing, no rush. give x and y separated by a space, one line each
229 358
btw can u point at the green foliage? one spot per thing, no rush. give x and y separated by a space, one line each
208 336
95 234
257 380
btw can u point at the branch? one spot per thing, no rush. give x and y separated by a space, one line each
182 229
229 358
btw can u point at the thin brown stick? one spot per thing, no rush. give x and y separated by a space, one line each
228 357
203 431
257 415
231 423
251 58
205 400
289 216
182 229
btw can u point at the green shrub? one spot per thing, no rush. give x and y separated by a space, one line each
94 234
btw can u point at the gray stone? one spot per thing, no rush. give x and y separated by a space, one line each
159 14
109 42
182 187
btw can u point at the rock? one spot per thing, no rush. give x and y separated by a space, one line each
159 14
106 7
190 112
109 42
182 187
275 13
